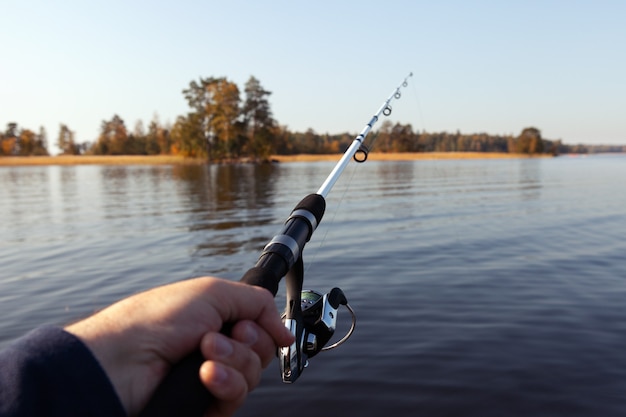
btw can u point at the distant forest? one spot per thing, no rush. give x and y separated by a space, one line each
221 125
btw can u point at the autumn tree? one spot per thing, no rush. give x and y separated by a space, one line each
22 142
383 137
403 137
157 138
27 141
8 144
282 145
189 136
215 103
113 138
66 143
529 141
137 140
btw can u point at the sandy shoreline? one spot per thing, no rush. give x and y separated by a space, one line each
406 156
179 160
99 160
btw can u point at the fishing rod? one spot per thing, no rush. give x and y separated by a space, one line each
310 316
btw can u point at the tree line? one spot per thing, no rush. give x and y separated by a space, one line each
222 125
23 142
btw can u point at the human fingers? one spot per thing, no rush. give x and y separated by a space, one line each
239 356
228 386
241 301
254 336
137 339
172 319
231 371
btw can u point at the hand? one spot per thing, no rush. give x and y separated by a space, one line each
138 339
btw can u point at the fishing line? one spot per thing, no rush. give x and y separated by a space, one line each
365 149
419 106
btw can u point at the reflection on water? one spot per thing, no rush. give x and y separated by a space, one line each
530 179
234 199
482 287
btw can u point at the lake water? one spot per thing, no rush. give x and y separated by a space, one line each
481 287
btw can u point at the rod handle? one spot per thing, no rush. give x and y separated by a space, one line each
181 393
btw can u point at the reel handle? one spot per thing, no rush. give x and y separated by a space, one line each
336 297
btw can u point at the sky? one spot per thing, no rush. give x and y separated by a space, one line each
478 66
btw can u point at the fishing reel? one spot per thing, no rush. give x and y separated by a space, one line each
313 323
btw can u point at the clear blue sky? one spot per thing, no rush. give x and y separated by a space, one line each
479 66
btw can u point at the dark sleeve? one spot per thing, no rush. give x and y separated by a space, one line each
50 372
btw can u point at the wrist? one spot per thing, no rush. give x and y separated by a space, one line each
111 349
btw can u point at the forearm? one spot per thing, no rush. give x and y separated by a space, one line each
49 372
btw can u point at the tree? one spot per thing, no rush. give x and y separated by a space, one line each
282 144
529 141
113 138
261 128
383 137
8 144
41 145
403 137
66 143
22 142
188 136
256 108
157 139
136 142
215 102
27 140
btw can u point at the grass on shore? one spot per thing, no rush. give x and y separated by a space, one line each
179 160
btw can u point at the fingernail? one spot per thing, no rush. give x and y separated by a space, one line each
220 375
223 348
250 335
